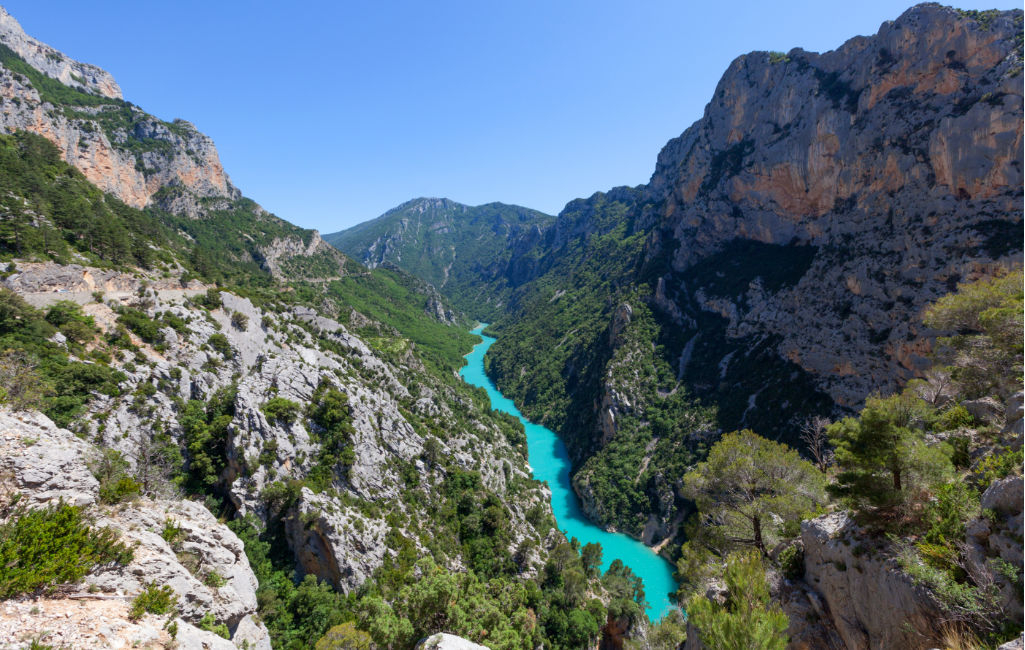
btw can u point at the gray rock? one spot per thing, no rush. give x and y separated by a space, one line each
45 463
444 641
191 637
985 410
871 603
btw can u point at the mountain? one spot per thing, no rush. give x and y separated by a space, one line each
776 265
220 431
450 245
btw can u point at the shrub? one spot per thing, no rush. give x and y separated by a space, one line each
791 562
220 343
172 532
239 321
210 624
115 483
43 548
955 417
125 488
281 410
153 600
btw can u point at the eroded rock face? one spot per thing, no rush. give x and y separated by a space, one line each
53 63
205 564
443 641
160 154
871 602
997 539
884 172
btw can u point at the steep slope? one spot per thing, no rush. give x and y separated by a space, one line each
450 245
784 247
176 351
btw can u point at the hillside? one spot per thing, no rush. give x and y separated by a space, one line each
774 267
463 250
219 431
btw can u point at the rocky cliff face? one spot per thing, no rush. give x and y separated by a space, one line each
119 147
790 240
881 174
54 63
44 465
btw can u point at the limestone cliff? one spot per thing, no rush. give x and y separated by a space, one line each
882 173
118 146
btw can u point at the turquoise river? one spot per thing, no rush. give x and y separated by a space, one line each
550 462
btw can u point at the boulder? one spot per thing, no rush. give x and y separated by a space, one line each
443 641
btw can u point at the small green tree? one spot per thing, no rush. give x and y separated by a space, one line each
748 620
985 350
745 483
345 637
882 454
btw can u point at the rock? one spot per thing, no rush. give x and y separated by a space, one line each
252 634
810 161
871 603
985 410
1004 496
56 64
1016 644
43 462
206 548
443 641
191 637
322 534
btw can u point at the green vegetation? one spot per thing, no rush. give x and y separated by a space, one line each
76 216
748 619
449 245
281 410
984 354
205 429
153 599
746 483
329 411
46 548
883 457
40 373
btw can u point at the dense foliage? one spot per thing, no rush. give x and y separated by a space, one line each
449 245
45 548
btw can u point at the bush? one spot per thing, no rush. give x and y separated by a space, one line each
153 600
955 417
281 410
220 343
210 624
239 321
115 483
172 532
791 562
43 548
125 488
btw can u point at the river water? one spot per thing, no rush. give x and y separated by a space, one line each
550 462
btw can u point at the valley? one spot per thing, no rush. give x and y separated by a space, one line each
771 398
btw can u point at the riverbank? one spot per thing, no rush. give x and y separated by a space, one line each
550 462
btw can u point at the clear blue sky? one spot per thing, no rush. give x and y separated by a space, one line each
329 113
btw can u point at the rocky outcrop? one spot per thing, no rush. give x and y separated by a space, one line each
55 64
443 641
869 601
339 534
116 145
996 538
205 563
883 173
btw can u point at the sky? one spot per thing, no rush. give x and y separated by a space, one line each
329 113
